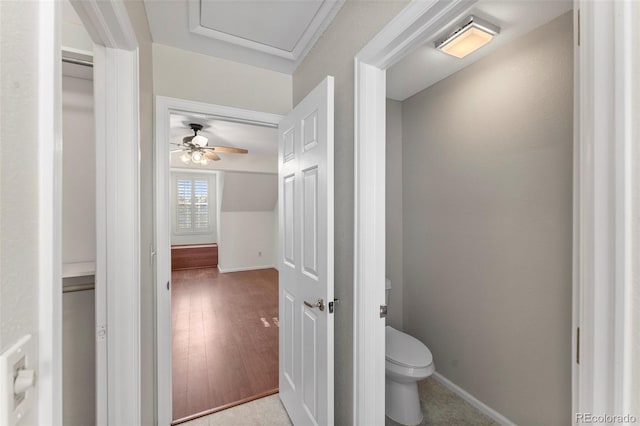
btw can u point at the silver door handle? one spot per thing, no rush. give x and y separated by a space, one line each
319 304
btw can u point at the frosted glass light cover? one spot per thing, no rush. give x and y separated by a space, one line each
469 40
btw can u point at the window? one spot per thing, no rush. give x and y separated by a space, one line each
192 215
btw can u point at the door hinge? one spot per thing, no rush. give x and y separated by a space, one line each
578 345
333 304
383 311
101 332
152 255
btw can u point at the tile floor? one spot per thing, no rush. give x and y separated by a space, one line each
441 407
266 411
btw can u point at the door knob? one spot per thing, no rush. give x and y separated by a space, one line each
319 304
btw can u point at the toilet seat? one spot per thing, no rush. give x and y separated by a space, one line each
405 350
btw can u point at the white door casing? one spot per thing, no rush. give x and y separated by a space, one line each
305 197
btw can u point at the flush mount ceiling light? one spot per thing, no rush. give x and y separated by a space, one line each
468 37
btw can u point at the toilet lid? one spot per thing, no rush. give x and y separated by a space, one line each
406 350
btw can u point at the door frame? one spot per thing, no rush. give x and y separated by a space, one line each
50 212
117 270
602 201
164 106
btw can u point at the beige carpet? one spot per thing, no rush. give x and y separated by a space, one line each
441 407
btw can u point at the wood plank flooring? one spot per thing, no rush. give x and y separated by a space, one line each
225 338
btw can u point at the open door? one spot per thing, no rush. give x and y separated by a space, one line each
305 197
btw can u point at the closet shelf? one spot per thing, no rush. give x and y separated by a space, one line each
80 269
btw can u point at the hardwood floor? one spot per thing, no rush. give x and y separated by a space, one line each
225 338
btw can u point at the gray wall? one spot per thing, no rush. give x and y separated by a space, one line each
394 231
79 356
78 171
355 24
219 81
487 218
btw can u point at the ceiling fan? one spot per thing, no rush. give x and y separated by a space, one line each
196 150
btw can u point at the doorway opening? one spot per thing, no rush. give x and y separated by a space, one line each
485 216
78 223
224 291
435 163
217 257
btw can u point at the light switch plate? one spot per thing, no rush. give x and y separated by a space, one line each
13 408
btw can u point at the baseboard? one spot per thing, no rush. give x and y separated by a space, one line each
484 408
243 268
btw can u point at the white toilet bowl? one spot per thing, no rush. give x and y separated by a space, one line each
407 361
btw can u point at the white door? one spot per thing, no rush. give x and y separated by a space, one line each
305 196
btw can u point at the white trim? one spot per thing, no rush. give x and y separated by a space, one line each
102 373
107 22
481 406
323 17
219 171
78 269
165 103
369 243
164 106
195 171
49 213
604 207
244 268
118 243
417 22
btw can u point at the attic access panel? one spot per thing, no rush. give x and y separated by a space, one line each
278 24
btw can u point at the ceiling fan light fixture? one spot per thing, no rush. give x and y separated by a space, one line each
185 157
468 37
197 156
199 140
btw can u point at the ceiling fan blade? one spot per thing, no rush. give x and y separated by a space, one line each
227 149
176 150
188 139
211 156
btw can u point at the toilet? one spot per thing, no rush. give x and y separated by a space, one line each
407 361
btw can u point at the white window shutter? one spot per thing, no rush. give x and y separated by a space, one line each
201 205
192 215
